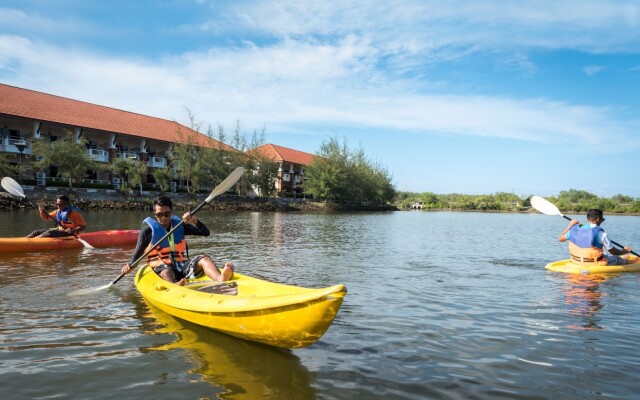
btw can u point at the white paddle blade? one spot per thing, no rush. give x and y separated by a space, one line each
83 292
85 243
544 206
11 186
227 184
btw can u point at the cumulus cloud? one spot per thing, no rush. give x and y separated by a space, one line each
591 70
337 63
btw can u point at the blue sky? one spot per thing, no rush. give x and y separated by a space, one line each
475 97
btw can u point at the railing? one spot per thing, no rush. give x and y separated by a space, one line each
97 181
13 145
157 162
129 155
98 154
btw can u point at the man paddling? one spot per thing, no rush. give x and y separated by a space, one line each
169 257
587 242
68 220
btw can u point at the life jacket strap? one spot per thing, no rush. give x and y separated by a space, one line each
586 259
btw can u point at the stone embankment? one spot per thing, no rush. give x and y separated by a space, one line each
93 199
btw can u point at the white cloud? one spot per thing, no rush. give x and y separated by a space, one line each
591 70
299 82
437 28
323 67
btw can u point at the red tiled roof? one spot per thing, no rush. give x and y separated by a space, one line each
284 154
46 107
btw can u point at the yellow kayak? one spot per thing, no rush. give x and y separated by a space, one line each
271 313
246 370
569 267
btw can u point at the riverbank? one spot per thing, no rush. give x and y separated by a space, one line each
95 199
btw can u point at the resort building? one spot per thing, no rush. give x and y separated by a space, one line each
289 177
27 116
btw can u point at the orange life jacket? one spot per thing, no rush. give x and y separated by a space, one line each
584 246
586 256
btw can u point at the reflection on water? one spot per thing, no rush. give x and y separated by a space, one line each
584 299
245 370
440 305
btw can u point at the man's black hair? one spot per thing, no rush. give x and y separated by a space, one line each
594 214
163 201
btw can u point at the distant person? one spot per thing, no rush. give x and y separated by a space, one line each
588 242
169 257
68 220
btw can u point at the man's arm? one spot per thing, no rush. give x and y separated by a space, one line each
77 219
199 229
144 238
563 235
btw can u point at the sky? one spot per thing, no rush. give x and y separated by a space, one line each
470 97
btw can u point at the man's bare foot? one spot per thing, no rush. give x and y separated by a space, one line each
227 271
181 282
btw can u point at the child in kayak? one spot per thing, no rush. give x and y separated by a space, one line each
169 257
588 242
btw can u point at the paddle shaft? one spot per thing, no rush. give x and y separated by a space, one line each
615 243
146 253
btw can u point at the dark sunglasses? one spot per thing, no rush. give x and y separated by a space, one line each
163 214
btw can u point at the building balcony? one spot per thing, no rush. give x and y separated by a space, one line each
14 145
99 155
129 155
157 162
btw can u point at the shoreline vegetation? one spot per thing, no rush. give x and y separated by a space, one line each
116 200
572 201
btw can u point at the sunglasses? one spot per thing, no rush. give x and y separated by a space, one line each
163 214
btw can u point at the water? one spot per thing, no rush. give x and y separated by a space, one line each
440 305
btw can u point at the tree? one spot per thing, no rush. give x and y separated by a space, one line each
185 158
260 166
162 176
328 175
576 196
7 169
67 154
339 174
129 171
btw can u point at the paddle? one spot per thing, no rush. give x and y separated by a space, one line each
13 187
548 208
217 191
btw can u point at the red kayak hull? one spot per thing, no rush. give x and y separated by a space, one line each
96 239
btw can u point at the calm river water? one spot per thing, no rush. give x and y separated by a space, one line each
440 305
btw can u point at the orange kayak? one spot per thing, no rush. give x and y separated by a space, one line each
95 239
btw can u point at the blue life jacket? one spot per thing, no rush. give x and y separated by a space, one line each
62 217
585 237
162 253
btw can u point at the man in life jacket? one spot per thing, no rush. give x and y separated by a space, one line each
588 242
67 219
169 256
